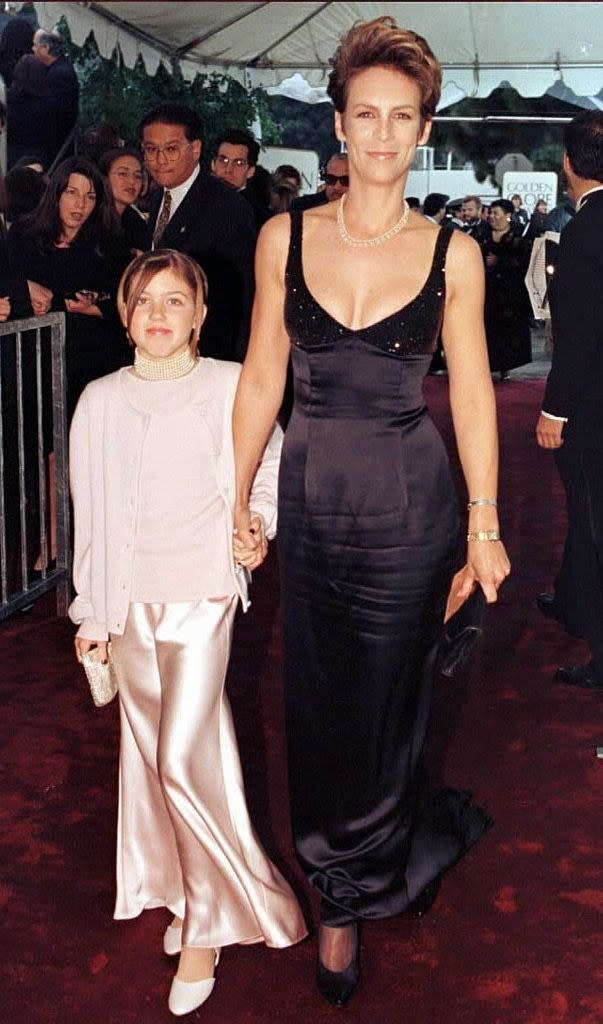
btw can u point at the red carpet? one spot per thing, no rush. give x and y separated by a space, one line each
515 936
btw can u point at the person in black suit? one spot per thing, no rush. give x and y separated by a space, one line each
29 113
235 163
197 214
336 184
63 88
571 423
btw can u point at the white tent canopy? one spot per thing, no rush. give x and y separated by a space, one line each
531 46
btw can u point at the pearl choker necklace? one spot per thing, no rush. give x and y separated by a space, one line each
350 240
163 369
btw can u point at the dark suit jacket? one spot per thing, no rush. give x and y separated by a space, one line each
575 385
215 226
309 202
64 91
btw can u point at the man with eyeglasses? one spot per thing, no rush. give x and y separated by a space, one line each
235 163
195 213
336 184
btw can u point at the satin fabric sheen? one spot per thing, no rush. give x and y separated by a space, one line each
184 838
368 525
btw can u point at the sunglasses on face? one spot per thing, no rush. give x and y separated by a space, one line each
332 179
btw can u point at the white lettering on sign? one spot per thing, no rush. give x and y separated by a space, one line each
532 186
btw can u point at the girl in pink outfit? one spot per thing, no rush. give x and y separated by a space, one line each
155 571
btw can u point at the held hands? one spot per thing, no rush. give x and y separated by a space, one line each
82 646
549 432
250 546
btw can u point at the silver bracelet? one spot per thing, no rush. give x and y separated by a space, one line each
482 501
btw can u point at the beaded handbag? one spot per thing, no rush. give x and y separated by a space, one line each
101 676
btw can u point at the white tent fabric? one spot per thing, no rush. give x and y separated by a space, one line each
532 46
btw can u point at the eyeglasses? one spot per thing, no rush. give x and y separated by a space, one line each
236 161
171 153
332 179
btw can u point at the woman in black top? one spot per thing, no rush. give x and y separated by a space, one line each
29 119
125 174
71 253
507 310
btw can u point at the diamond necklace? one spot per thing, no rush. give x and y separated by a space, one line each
350 240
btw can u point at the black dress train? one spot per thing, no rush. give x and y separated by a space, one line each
368 527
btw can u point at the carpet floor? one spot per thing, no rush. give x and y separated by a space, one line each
515 936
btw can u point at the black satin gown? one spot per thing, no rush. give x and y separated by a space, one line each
368 527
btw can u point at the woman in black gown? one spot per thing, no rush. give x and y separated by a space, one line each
507 307
357 292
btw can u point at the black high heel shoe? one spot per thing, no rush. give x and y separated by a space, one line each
338 987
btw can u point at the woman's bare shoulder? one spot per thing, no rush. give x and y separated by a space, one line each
276 229
462 249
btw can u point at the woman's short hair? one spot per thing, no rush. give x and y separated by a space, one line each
380 43
144 268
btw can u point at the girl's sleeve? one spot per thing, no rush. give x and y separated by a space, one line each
263 498
81 610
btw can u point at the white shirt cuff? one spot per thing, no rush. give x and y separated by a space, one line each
549 416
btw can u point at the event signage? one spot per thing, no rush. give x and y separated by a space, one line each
531 186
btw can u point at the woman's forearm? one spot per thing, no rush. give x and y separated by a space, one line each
474 418
256 407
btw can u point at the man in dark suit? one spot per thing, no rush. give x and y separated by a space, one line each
235 162
571 422
63 88
197 214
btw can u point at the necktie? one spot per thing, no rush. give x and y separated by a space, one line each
162 219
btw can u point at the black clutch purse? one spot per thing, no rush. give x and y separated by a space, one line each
462 633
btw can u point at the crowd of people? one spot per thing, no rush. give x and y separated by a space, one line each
170 277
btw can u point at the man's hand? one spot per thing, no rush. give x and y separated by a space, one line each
4 308
548 432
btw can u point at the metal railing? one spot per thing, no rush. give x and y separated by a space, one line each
34 486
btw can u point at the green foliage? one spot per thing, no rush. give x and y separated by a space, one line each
110 91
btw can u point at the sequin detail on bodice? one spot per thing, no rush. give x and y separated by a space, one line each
409 331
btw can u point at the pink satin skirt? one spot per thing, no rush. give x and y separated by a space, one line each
184 838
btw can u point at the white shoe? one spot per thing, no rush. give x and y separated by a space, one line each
172 939
186 996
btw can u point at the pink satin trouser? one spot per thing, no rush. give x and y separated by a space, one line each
184 839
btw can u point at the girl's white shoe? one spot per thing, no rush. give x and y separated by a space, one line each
186 996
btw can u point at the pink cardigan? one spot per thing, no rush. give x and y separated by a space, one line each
105 449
